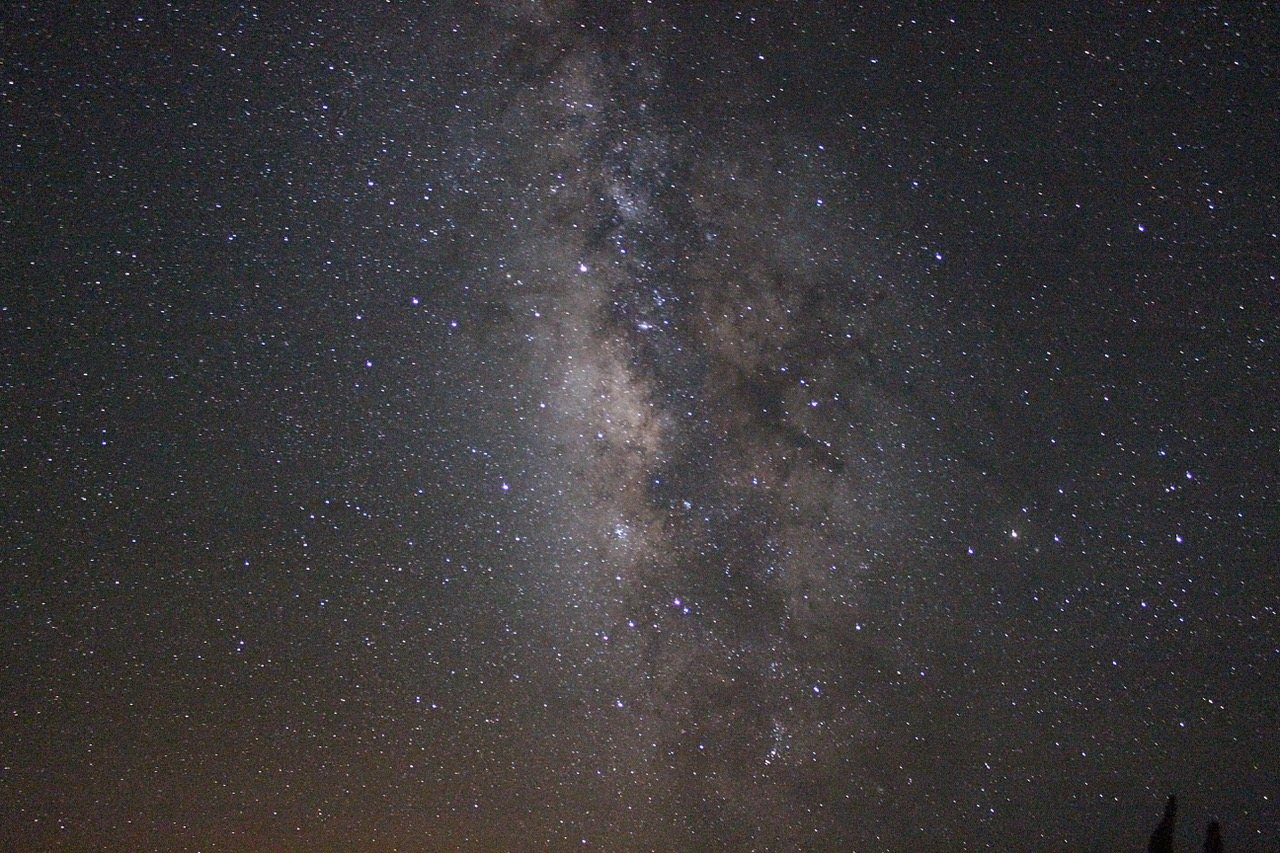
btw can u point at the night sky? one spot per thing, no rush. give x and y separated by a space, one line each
501 425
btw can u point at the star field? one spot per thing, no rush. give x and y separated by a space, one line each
638 426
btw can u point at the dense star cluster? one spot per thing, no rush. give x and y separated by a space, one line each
638 426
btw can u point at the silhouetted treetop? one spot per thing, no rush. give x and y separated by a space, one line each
1162 838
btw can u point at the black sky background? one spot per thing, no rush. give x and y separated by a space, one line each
638 426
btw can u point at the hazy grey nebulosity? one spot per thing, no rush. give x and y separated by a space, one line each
714 383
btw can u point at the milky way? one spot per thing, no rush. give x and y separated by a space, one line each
710 386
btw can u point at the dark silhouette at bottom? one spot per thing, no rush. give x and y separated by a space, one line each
1162 839
1213 838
